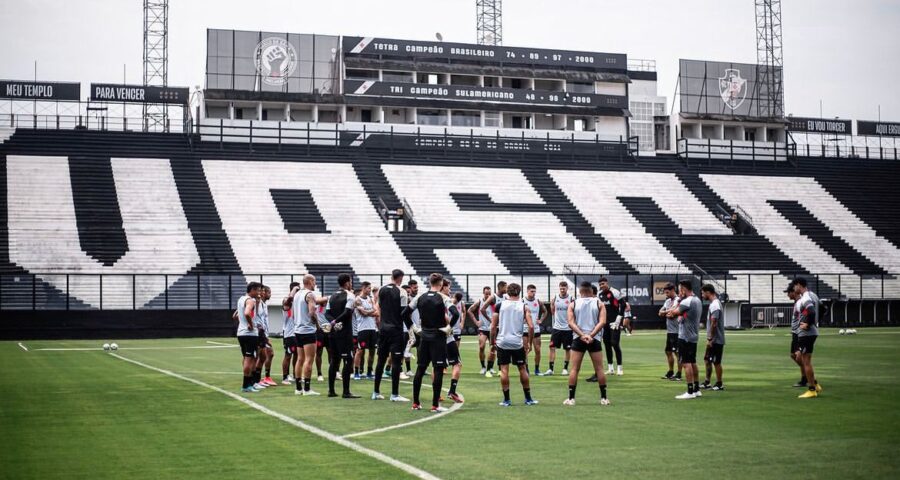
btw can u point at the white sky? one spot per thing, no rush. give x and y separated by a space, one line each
844 52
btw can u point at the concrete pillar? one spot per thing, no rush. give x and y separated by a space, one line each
259 110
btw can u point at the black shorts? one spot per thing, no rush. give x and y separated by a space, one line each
806 344
580 346
433 352
457 337
391 342
341 345
794 344
537 331
262 338
304 339
515 357
453 354
290 345
486 333
714 353
561 338
672 342
611 337
687 351
367 339
321 339
249 345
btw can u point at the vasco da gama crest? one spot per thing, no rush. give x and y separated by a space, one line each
733 88
276 60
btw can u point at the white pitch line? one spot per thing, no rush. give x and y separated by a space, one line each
292 421
90 349
23 347
453 408
220 343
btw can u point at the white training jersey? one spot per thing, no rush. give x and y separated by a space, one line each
485 318
262 316
366 322
448 302
561 317
587 316
287 322
243 328
511 325
534 306
303 324
457 329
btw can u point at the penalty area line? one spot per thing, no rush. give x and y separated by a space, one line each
23 347
417 472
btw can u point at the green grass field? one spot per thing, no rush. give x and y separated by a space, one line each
87 414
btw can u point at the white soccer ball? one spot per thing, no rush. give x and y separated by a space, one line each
114 347
106 347
841 331
852 331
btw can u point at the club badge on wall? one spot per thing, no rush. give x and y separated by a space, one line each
276 60
733 88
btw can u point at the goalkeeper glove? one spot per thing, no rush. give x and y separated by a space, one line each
447 330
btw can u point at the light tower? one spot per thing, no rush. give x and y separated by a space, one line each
156 60
489 22
769 57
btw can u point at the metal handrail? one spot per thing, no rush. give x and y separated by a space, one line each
131 291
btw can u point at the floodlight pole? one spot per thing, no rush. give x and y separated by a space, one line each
156 60
489 22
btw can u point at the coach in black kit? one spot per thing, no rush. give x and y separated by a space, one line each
433 346
340 312
391 340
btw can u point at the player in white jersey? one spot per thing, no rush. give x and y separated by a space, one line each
587 319
305 307
538 315
509 324
560 333
671 332
483 322
715 337
287 335
795 327
807 334
414 338
367 330
266 353
247 333
453 357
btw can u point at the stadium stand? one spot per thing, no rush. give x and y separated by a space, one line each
172 209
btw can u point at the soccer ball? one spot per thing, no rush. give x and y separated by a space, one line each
851 331
114 347
841 331
106 347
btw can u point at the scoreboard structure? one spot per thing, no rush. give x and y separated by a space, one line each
393 83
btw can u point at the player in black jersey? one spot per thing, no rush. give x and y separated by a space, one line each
614 302
391 341
435 328
340 313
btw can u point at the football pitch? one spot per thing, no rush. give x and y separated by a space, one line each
172 409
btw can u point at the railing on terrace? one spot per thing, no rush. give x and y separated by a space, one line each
78 291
